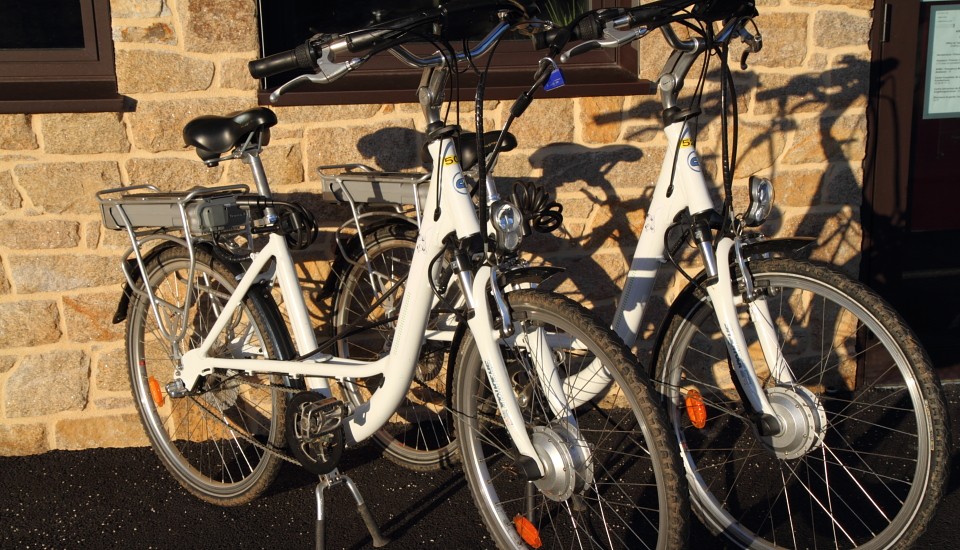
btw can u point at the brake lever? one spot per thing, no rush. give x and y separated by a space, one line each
612 38
327 70
754 44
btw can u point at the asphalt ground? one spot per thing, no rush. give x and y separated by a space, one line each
123 498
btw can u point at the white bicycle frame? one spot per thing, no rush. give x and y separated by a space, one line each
681 187
458 216
398 367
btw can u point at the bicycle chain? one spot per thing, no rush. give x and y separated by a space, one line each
266 447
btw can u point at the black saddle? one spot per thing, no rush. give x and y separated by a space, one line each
467 145
214 135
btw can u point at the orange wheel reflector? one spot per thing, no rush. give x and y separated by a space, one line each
155 391
527 531
696 410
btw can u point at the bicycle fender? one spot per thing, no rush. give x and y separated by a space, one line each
524 275
121 314
777 247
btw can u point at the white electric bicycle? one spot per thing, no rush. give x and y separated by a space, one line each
806 412
225 394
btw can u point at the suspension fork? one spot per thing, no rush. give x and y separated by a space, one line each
722 292
480 320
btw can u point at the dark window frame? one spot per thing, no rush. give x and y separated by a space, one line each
386 80
64 81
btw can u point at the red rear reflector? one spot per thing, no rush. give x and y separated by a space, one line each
155 391
527 531
696 410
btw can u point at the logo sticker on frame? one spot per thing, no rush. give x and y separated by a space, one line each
694 161
461 186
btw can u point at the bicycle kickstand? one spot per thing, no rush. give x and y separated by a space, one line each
333 479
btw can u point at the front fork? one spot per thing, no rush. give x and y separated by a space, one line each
724 296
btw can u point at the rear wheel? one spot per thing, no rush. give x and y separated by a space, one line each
862 457
613 478
419 435
215 440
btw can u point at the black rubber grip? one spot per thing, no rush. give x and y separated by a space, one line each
588 28
301 57
358 42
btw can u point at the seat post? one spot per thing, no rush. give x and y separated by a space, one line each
251 157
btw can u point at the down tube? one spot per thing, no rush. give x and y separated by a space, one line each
457 212
689 192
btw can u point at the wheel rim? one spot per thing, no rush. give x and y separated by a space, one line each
859 483
203 439
420 432
614 483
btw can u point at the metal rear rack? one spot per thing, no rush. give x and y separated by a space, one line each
148 214
373 196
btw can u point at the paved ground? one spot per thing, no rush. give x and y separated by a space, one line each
123 498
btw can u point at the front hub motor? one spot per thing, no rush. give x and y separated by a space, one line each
802 419
568 468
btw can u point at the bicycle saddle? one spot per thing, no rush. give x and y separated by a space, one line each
467 144
214 135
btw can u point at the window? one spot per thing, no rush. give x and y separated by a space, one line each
57 56
287 23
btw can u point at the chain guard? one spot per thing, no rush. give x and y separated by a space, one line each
315 431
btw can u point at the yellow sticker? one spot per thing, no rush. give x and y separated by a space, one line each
686 142
447 161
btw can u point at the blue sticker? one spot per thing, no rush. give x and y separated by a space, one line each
555 81
461 186
694 161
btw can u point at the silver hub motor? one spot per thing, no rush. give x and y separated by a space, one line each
802 420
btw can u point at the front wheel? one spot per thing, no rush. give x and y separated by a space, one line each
612 480
862 455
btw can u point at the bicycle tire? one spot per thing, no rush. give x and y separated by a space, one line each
419 435
625 491
862 463
190 434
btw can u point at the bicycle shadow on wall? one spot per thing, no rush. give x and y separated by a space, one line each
582 179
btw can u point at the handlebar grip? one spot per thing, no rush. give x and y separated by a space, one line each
589 27
302 57
361 41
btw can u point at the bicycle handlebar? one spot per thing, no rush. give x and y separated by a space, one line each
619 26
318 53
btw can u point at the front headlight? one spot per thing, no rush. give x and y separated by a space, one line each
761 201
507 222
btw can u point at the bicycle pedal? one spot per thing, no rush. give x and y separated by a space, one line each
315 431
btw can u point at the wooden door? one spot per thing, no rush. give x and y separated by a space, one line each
911 209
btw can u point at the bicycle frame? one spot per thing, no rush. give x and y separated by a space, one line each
459 217
681 187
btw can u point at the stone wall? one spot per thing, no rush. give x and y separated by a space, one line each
63 381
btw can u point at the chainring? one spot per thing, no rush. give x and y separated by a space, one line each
316 446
